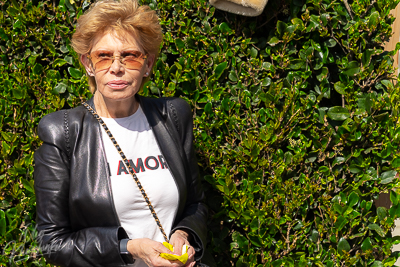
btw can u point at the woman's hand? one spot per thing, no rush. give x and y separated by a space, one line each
149 251
178 239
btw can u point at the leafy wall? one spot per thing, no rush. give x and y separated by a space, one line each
296 123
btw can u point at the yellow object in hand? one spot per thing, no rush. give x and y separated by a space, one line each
173 257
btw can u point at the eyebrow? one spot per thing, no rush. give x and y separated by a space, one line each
125 50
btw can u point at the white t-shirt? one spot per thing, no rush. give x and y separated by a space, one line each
140 147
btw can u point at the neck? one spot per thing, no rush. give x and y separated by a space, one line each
109 108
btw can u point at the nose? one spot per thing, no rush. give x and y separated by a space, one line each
116 66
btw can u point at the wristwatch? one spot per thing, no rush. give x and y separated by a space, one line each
123 250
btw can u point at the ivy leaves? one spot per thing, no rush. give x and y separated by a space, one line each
295 116
292 128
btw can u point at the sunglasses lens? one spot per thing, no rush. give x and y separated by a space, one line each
132 60
132 64
103 64
102 59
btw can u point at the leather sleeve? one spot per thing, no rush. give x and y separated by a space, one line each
195 213
60 244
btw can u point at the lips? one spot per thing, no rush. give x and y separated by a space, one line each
117 84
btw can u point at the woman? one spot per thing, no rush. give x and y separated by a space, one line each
91 211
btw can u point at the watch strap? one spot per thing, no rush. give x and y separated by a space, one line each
123 250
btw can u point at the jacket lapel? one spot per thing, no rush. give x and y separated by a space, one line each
157 115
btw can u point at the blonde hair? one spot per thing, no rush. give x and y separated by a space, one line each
120 17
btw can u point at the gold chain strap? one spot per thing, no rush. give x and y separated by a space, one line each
128 165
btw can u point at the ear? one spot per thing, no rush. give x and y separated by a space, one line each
87 64
149 63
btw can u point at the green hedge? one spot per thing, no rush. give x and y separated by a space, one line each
296 123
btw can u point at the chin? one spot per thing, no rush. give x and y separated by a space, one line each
120 96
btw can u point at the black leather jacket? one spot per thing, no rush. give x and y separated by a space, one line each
76 217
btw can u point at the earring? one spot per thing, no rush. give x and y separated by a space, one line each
147 74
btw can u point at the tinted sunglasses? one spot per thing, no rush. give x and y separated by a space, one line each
103 59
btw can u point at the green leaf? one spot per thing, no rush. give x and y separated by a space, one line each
340 222
18 93
323 74
273 41
255 150
297 64
330 42
240 240
340 87
64 49
339 209
69 60
377 264
254 225
388 84
17 24
233 76
266 81
75 73
256 240
59 62
387 177
253 52
208 108
2 223
179 44
226 104
68 4
352 68
343 245
3 35
368 205
217 93
220 69
338 113
377 228
224 27
353 199
366 57
281 27
338 161
373 19
314 236
28 186
382 213
37 69
60 88
366 244
297 21
394 198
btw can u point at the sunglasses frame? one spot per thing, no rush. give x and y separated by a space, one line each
121 58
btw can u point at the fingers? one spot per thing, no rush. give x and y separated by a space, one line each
149 251
160 262
160 248
178 240
190 262
191 252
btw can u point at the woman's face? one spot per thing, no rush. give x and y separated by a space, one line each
118 81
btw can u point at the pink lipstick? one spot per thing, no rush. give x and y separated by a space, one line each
117 84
